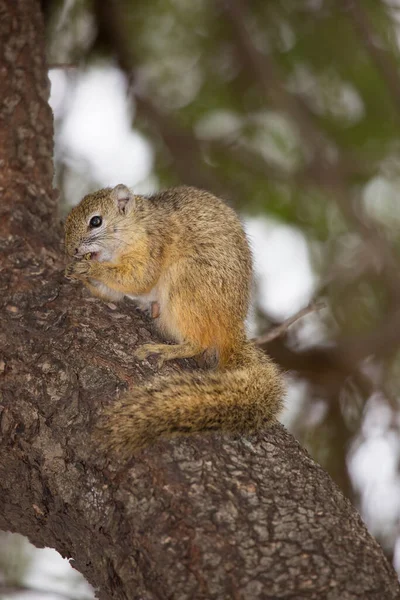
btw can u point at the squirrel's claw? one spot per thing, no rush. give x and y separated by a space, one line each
77 269
69 271
146 351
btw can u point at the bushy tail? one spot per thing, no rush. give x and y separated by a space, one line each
243 397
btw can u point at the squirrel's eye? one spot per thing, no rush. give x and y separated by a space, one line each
95 221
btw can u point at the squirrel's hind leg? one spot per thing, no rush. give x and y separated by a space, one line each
168 352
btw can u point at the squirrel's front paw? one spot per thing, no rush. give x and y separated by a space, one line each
78 269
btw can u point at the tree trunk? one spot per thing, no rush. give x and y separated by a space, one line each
206 517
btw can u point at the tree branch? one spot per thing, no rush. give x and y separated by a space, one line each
206 517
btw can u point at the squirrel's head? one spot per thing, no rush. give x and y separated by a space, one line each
97 226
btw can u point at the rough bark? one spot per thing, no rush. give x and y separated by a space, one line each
207 517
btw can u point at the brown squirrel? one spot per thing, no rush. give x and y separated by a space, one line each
186 250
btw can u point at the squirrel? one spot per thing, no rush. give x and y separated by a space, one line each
187 251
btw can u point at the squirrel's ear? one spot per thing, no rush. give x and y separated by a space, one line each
123 198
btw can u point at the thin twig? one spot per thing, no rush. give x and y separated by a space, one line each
281 329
